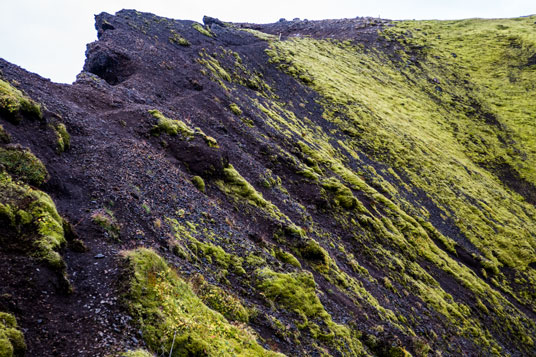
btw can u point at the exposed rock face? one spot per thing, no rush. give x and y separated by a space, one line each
303 188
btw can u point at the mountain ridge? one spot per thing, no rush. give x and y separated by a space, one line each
338 187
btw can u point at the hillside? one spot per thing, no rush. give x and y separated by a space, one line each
304 188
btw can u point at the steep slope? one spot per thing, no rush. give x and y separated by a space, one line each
339 187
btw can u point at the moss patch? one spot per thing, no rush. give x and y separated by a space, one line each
203 30
23 164
296 292
13 103
199 183
236 186
11 338
164 305
62 136
34 224
170 126
106 220
178 39
137 353
219 300
176 127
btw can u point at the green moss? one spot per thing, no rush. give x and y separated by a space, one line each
219 300
199 183
62 136
170 126
236 186
293 291
235 109
13 103
296 292
4 135
137 353
163 306
176 127
105 219
209 251
178 39
343 196
287 257
23 164
313 252
11 338
202 30
32 216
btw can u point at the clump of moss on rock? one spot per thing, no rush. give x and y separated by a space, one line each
30 216
235 109
202 30
163 306
23 164
170 126
296 292
218 299
342 195
105 219
175 127
62 136
237 186
13 103
4 136
11 338
178 39
199 183
137 353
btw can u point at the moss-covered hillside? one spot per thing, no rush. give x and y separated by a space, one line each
340 187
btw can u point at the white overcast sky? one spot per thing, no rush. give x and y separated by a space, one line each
50 37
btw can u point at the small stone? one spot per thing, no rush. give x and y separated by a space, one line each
99 256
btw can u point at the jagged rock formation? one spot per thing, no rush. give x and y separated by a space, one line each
342 187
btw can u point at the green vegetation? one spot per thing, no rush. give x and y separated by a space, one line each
175 127
23 164
227 65
165 306
236 186
5 138
32 222
296 292
235 109
207 250
137 353
178 39
170 126
11 338
219 300
203 30
343 196
287 257
13 103
105 219
199 183
62 136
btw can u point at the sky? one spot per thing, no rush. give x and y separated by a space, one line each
50 37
